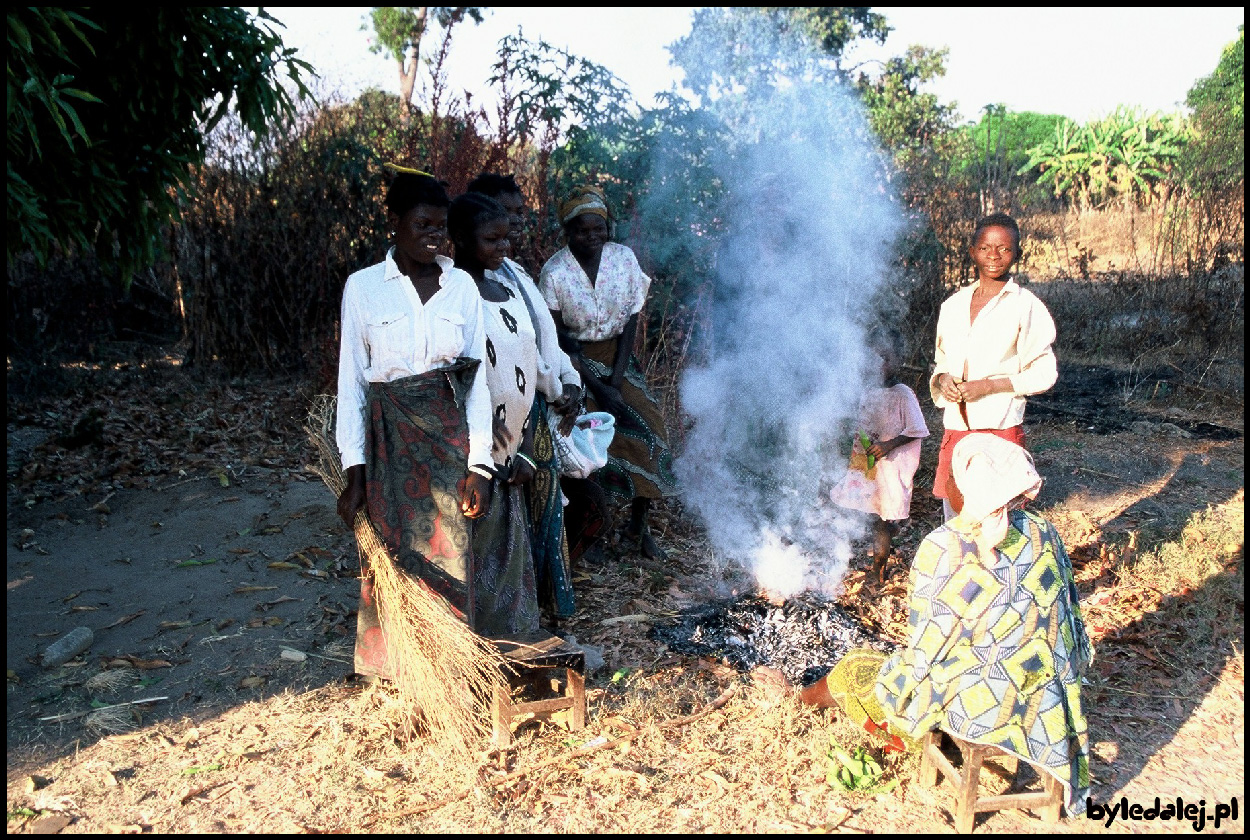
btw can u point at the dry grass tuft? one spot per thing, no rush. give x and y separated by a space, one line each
111 681
445 674
110 721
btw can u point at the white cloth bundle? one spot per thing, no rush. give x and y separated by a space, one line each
585 449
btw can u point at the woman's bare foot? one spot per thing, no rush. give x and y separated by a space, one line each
650 548
646 543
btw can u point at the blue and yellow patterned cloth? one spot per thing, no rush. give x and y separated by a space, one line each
996 651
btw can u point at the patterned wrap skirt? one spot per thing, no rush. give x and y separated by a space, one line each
505 594
997 651
417 444
639 461
546 511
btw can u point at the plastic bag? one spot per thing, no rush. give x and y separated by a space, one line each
585 449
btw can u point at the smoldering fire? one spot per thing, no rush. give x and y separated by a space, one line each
808 223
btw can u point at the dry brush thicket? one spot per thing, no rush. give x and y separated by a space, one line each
253 272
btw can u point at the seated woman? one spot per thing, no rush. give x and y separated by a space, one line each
997 647
595 290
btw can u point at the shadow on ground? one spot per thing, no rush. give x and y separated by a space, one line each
192 594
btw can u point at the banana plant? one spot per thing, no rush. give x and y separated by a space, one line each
1126 156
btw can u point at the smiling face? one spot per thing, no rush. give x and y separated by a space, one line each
994 252
491 243
420 232
587 234
514 203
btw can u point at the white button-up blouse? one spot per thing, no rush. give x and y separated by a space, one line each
387 333
1011 338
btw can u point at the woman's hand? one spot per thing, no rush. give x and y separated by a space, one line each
521 472
474 495
567 407
352 498
569 399
949 387
975 389
878 451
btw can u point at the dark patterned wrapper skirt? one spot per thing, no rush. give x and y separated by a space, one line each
417 445
546 510
639 461
505 595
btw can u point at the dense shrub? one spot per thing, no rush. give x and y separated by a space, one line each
254 271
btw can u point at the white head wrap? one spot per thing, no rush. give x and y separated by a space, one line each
990 472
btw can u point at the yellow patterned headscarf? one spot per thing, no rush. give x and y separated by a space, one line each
585 199
398 169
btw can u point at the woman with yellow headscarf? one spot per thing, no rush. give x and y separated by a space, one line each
595 290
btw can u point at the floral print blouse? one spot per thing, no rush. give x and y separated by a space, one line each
598 311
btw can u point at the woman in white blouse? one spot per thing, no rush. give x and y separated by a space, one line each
994 348
595 290
414 415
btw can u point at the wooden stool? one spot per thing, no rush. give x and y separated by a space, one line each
541 651
1047 801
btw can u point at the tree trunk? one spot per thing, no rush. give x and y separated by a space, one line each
408 73
407 81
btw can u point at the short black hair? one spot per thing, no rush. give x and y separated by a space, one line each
466 213
997 220
494 185
889 338
409 189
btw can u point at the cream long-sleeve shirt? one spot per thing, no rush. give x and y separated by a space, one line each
387 333
555 369
1011 338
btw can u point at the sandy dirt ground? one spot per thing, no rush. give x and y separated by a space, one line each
225 592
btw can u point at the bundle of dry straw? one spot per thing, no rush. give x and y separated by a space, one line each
443 671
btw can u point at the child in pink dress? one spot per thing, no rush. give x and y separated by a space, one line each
891 423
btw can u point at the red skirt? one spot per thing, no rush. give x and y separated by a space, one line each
950 437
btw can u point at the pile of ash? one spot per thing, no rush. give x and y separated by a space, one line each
803 638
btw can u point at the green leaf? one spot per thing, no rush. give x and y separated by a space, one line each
188 563
191 771
20 32
78 93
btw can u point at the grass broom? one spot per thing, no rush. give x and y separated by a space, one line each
442 669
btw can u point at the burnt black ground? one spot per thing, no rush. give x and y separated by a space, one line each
803 638
1092 396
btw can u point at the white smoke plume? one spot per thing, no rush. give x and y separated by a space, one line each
809 224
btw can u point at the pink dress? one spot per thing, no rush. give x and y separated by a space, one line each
884 414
